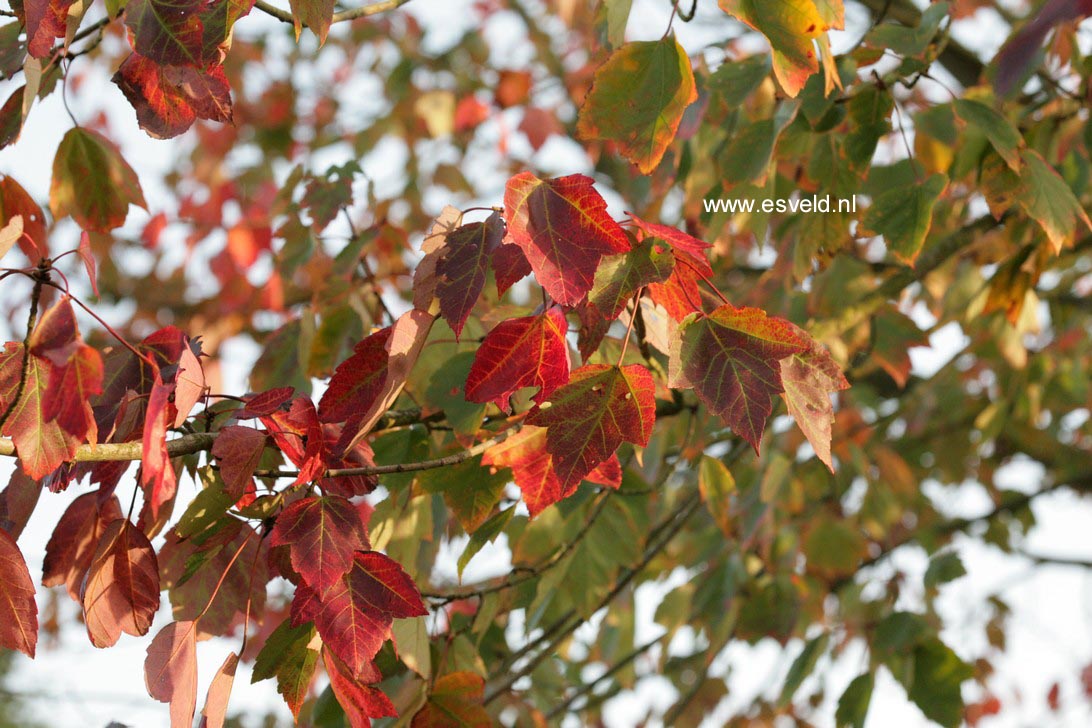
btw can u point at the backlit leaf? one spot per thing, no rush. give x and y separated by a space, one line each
520 352
361 702
463 266
18 610
587 419
322 534
216 702
809 378
1048 200
454 700
732 360
563 229
169 99
72 545
790 26
122 591
170 671
638 98
92 182
314 14
354 615
14 200
166 32
288 655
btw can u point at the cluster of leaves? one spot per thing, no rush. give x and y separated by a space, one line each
454 410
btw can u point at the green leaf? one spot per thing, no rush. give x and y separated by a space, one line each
487 533
469 490
617 19
734 81
853 705
638 98
92 182
716 485
791 26
904 216
286 656
447 390
1047 199
938 677
620 277
748 156
909 41
834 548
943 568
900 631
803 666
412 642
1002 134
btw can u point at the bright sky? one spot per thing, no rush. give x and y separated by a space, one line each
72 683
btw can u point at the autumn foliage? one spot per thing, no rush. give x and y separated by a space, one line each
610 393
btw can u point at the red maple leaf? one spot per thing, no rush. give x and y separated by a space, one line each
563 228
239 450
322 534
169 99
732 359
522 352
462 267
361 702
354 615
358 381
592 415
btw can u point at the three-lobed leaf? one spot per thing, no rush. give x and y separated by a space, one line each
732 359
590 417
322 535
563 229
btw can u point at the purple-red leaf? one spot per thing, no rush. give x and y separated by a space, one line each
520 352
322 535
732 360
563 228
592 415
239 450
18 610
463 266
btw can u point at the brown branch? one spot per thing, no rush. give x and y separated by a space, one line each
363 11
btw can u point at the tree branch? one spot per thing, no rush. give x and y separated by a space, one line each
351 14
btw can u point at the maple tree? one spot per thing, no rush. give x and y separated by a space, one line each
583 369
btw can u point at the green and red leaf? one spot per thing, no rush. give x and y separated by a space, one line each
600 408
809 378
732 360
638 98
454 700
92 182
